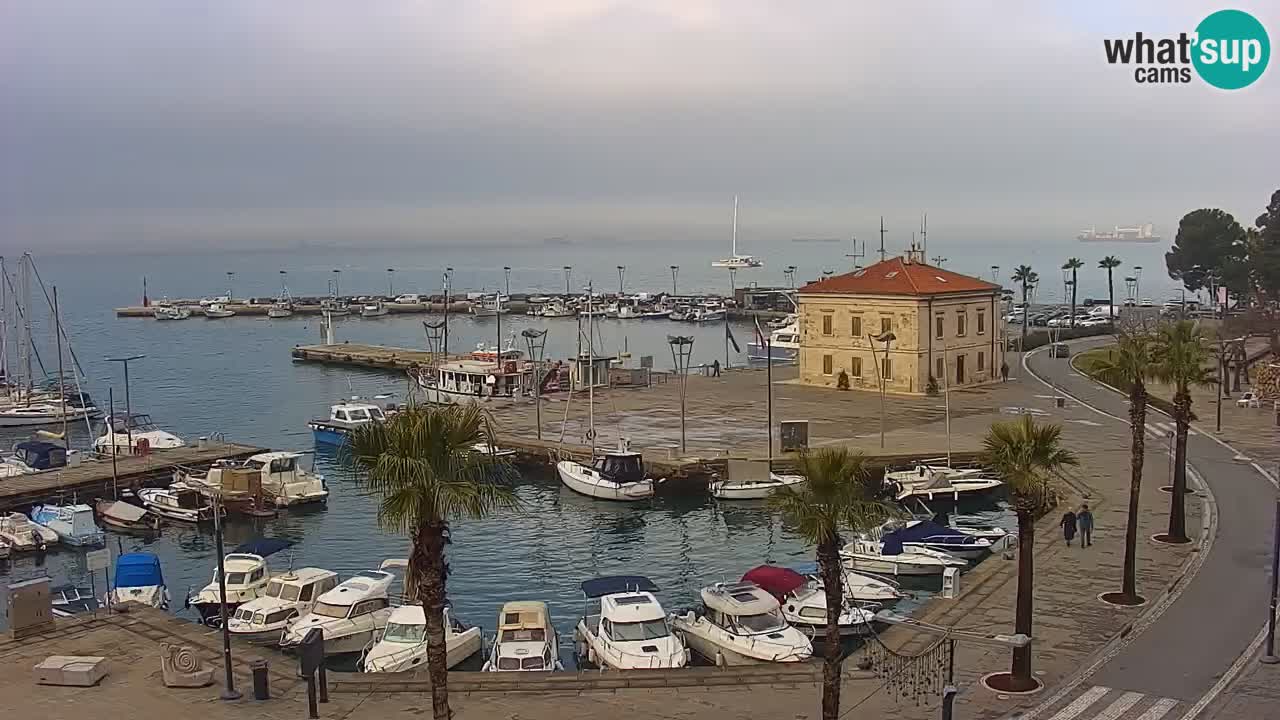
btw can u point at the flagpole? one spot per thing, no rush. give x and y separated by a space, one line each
768 382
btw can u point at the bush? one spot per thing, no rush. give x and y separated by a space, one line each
842 380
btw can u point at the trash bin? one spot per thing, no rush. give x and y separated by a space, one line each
261 690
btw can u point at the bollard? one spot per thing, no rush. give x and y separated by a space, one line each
261 689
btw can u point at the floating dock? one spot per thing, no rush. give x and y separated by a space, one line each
376 357
94 478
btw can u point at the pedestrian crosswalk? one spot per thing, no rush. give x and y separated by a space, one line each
1103 703
1161 430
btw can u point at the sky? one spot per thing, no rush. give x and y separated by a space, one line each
141 124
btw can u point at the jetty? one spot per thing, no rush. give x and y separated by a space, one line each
95 478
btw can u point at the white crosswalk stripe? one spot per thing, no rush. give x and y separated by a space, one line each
1164 428
1118 708
1159 709
1082 703
1104 703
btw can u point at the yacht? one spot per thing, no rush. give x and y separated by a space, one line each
741 624
484 381
121 516
804 602
625 627
283 482
349 616
526 641
934 482
247 579
343 418
402 645
783 346
73 524
735 260
616 475
137 429
182 504
23 534
263 620
922 534
139 579
43 413
171 312
377 308
890 558
752 489
788 321
215 311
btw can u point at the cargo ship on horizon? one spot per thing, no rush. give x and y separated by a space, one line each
1140 234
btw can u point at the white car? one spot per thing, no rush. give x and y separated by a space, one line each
410 299
1094 321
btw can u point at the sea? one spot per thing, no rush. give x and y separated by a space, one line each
235 377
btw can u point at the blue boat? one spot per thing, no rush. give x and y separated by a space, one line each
40 455
139 579
73 523
915 534
343 418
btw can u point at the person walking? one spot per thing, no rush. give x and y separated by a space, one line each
1085 520
1068 526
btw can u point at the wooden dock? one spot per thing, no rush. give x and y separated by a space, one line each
93 478
377 357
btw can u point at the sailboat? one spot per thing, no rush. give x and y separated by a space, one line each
735 260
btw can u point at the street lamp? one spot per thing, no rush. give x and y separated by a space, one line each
733 272
675 270
507 269
882 370
128 408
229 692
622 269
568 270
790 272
231 278
1137 282
391 283
448 276
537 342
337 291
681 352
995 273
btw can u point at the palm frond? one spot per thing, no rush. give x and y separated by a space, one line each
838 493
1182 356
1026 455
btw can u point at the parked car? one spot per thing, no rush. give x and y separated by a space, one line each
409 299
1094 321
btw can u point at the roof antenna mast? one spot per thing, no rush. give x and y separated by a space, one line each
882 253
924 235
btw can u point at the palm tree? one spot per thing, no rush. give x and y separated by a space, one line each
1027 277
1026 455
421 465
1109 263
1128 367
839 493
1073 264
1181 356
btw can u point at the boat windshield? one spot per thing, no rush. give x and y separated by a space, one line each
507 662
235 578
376 413
762 623
645 630
325 609
273 588
398 633
524 635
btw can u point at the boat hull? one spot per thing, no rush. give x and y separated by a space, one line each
47 419
773 353
724 490
327 434
583 480
458 647
885 566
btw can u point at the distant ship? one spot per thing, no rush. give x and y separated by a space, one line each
1141 234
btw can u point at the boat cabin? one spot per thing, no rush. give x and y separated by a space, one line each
586 371
510 378
243 571
621 467
623 608
742 608
354 413
39 455
522 642
363 594
138 422
181 498
285 594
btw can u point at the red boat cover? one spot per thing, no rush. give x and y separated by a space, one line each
777 581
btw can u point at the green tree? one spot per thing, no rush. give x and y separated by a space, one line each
1182 359
1074 265
421 465
1209 245
1264 265
838 494
1027 277
1128 367
1026 455
1110 263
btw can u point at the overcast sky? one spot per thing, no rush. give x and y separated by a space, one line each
160 122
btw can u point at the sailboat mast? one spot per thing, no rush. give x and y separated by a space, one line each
24 286
62 389
591 383
735 227
4 326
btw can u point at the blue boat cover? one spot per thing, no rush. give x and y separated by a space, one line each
138 570
617 584
928 532
263 546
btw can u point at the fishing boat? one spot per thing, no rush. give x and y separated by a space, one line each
139 579
783 346
343 418
181 504
263 620
526 640
757 489
171 312
625 627
804 602
890 558
216 311
279 476
402 644
24 535
783 322
931 482
735 260
916 535
490 306
374 309
334 307
741 624
121 516
280 309
483 381
247 579
349 616
615 475
68 600
135 433
73 524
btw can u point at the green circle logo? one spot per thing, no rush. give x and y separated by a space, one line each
1232 49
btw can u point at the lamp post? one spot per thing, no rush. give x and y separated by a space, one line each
448 276
337 290
229 692
128 408
881 370
995 273
622 270
733 272
681 351
568 270
790 272
507 269
1137 283
675 270
1269 657
231 278
391 283
537 342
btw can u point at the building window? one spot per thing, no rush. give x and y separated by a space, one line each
827 328
962 322
857 326
886 325
826 364
937 327
855 367
982 361
886 369
982 322
940 369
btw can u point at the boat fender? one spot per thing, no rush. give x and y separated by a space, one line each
720 659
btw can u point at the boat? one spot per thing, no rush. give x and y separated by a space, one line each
126 517
625 627
525 640
999 537
804 602
923 534
377 308
40 455
349 616
135 433
215 311
615 475
1138 233
930 482
343 418
485 448
263 620
741 624
490 306
680 313
11 466
68 600
73 524
556 308
181 504
788 321
783 346
890 558
280 309
281 479
139 579
709 312
752 489
24 535
334 307
736 261
476 380
171 312
6 549
402 644
247 579
43 413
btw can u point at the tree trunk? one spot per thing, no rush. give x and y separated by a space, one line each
431 538
1241 358
1073 297
1111 296
829 567
1177 506
1137 450
1021 671
1026 311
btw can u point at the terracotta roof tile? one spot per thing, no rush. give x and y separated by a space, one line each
895 276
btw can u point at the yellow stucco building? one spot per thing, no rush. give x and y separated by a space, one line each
941 323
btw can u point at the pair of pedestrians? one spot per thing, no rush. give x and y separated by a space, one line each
1082 521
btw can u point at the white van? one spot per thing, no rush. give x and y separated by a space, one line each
410 299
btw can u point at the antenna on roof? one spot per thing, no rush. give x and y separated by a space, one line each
924 235
855 255
882 254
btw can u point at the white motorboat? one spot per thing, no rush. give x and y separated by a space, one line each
616 475
752 489
402 645
783 346
735 260
741 624
890 558
865 588
349 616
73 524
139 579
171 312
280 309
247 579
263 620
625 627
484 448
181 504
706 313
556 309
214 311
788 321
490 306
916 535
526 641
135 434
43 413
24 535
374 309
343 418
283 481
929 483
804 602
